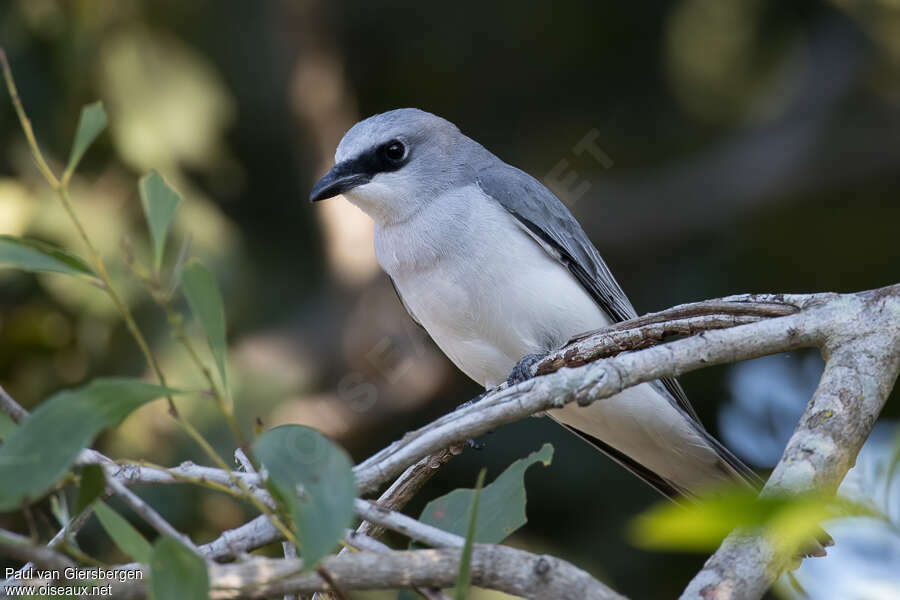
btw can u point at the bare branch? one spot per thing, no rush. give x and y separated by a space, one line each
862 362
11 407
242 459
685 319
233 543
602 379
408 485
364 542
494 567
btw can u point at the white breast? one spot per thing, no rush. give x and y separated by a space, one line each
485 291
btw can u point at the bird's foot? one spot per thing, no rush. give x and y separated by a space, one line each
522 371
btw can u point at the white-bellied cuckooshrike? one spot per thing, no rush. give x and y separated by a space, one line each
496 268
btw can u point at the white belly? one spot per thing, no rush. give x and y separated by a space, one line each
487 309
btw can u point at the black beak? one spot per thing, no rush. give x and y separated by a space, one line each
339 179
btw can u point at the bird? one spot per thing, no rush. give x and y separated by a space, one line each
498 271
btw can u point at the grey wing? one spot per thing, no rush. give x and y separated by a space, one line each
548 220
542 213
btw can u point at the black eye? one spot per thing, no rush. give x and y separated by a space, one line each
394 150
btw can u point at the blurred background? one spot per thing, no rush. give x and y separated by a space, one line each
736 146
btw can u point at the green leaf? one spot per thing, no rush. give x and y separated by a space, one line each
176 572
205 301
91 486
40 450
127 538
791 521
60 508
35 256
90 125
178 268
7 425
300 457
464 578
503 503
160 203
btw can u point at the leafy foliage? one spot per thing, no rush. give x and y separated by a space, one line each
464 579
40 450
160 203
92 483
313 479
7 425
176 572
35 256
126 537
91 124
205 300
503 503
791 521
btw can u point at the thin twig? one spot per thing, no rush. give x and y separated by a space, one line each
146 512
12 408
241 458
408 485
26 123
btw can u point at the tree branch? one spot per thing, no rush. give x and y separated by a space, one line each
606 377
408 485
495 567
682 320
11 407
862 354
145 511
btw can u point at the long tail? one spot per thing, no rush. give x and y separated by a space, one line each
705 463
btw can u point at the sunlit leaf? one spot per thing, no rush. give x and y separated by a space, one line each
176 572
160 203
90 125
205 300
298 457
91 486
791 521
127 538
35 256
464 578
40 450
502 503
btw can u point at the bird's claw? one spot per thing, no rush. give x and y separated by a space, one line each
522 371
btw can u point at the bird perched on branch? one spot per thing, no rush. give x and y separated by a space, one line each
498 272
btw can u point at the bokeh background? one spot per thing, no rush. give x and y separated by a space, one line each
746 146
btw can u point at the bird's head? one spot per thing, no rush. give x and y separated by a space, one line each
393 163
